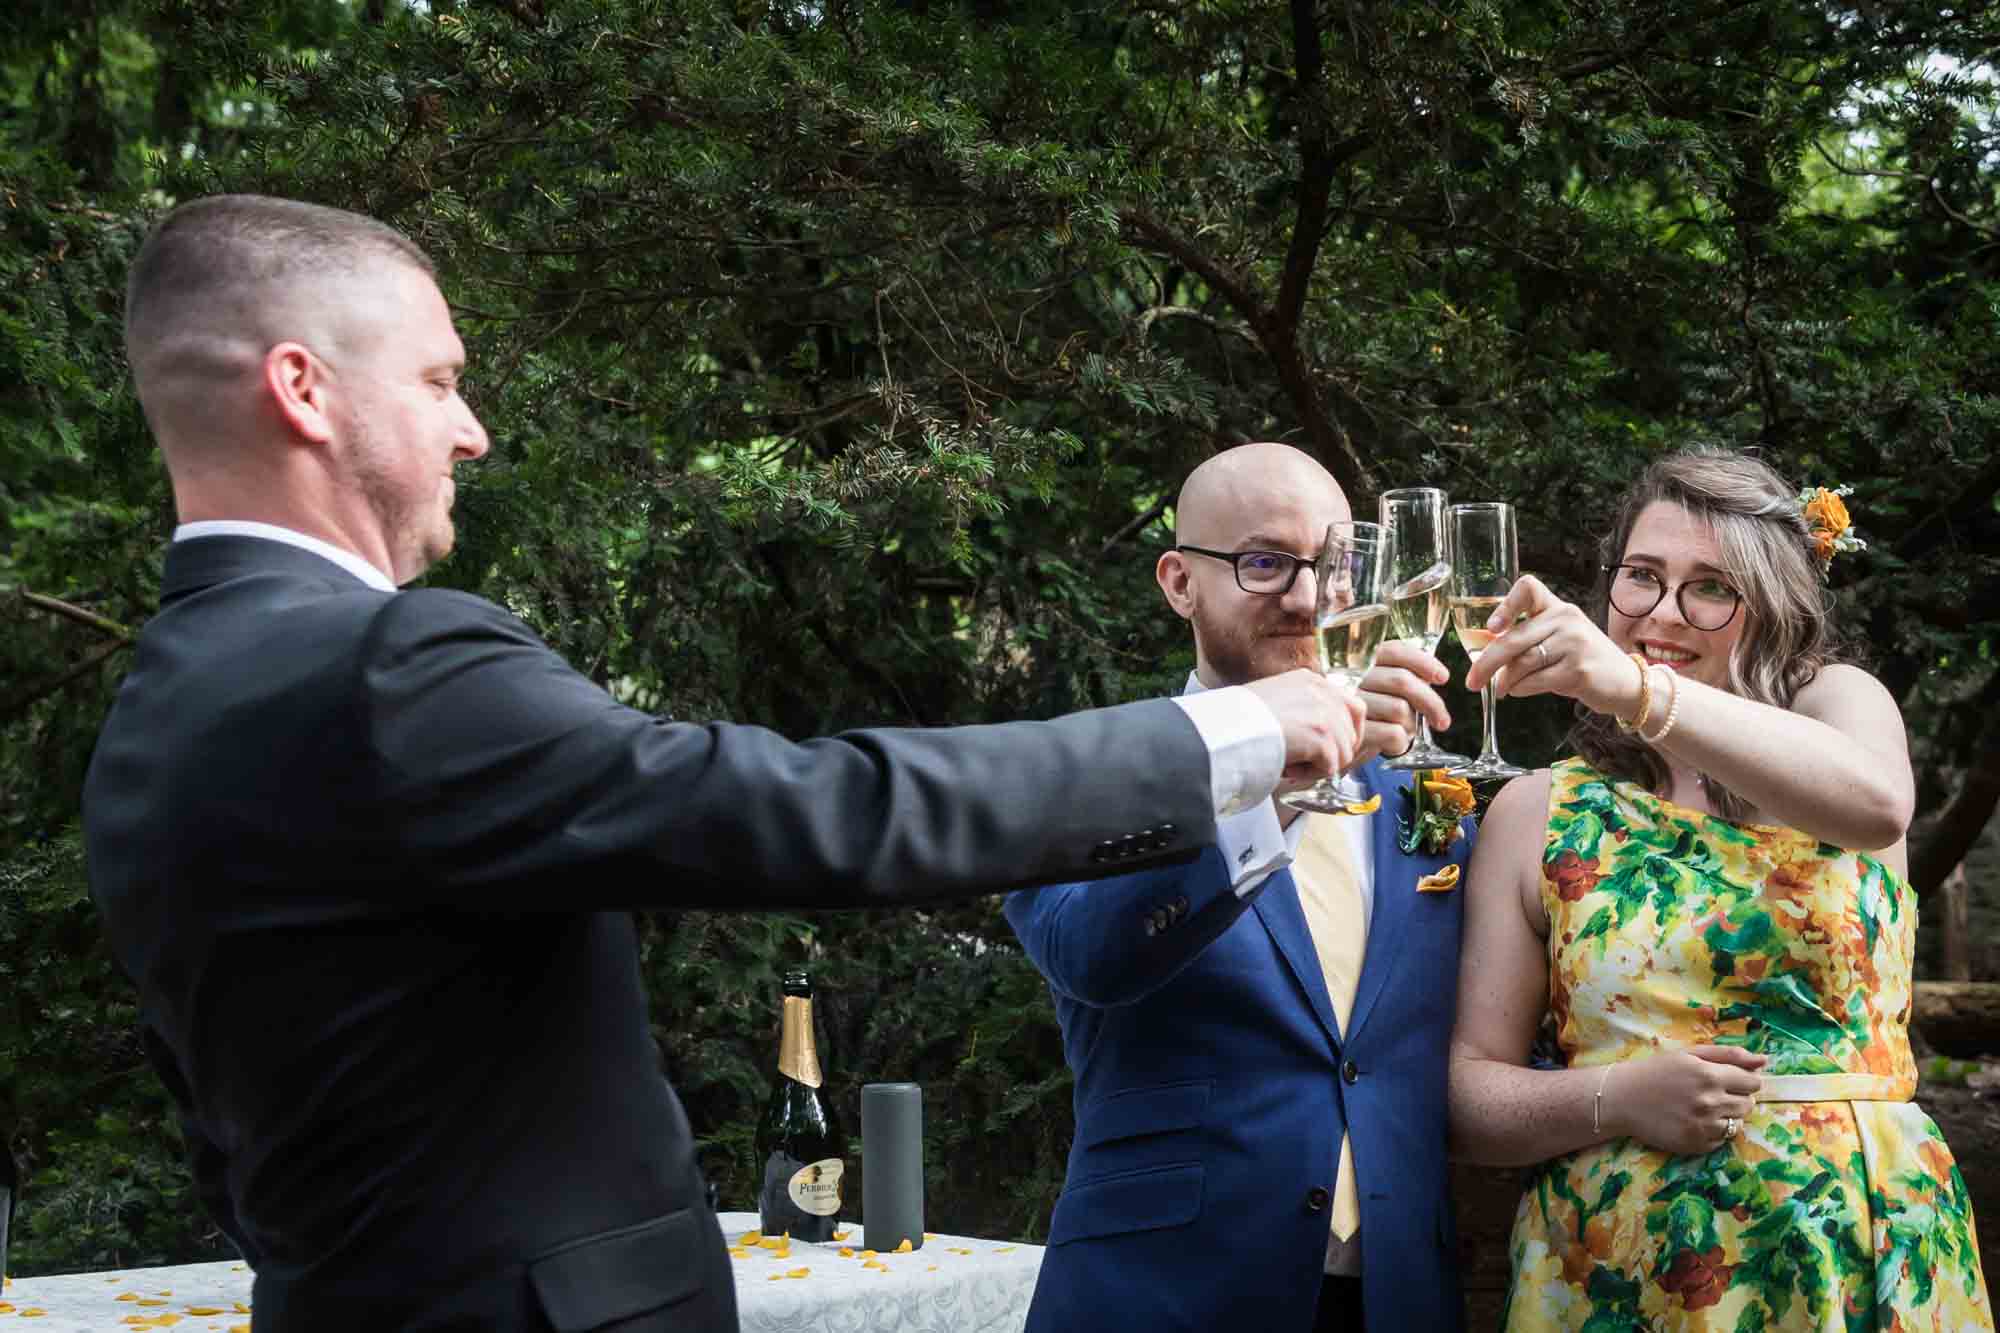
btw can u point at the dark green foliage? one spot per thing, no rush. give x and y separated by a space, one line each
842 359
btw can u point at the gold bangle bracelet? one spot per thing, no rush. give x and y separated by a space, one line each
1597 1106
1645 696
1673 715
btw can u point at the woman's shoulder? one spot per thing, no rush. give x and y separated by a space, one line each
1522 803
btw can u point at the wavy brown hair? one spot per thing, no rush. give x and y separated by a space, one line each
1767 555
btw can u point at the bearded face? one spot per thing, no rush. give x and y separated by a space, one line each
1242 637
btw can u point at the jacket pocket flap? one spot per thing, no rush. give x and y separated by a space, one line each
1167 1196
1127 1115
617 1274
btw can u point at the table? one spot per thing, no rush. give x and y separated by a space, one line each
954 1284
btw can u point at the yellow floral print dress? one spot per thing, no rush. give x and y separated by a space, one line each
1838 1206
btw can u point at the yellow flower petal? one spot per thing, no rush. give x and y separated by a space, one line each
847 1251
840 1235
750 1238
1444 881
1367 807
799 1272
905 1247
739 1253
205 1309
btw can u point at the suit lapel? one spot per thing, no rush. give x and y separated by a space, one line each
1278 908
1395 886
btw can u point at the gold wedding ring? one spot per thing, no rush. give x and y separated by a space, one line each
1730 1124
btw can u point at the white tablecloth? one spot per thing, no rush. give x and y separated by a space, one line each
954 1284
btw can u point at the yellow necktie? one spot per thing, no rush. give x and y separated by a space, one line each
1331 897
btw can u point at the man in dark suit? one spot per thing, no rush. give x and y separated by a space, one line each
366 853
1259 1035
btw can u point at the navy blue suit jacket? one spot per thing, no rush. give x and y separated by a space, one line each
1213 1085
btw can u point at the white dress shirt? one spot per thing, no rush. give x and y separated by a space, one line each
236 527
1254 844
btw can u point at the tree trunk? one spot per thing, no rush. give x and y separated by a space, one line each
1958 1018
1959 825
1955 925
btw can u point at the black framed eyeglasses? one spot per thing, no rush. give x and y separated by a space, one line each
1706 602
1265 573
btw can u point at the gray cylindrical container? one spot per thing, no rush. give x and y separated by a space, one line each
892 1165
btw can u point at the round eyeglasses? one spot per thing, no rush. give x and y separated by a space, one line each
1265 573
1705 602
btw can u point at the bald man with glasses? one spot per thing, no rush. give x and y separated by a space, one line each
1259 1037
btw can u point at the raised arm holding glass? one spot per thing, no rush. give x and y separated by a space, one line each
370 855
1710 898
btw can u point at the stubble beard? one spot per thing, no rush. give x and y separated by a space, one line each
1268 647
416 531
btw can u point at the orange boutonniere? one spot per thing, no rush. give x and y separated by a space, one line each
1437 801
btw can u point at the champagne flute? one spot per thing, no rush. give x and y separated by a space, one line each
1419 524
1350 618
1484 565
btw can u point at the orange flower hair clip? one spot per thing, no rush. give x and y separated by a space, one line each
1827 521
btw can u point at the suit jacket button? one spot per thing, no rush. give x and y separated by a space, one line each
1151 929
1181 906
1162 919
1350 1071
1168 830
1316 1198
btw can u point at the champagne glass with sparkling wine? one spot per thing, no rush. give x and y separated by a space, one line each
1419 522
1484 565
1350 618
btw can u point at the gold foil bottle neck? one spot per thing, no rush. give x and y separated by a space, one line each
798 1059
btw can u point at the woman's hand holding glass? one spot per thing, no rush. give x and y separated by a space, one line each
1545 645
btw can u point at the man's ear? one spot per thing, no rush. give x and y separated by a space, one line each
297 384
1176 580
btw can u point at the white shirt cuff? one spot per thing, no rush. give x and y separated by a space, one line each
1254 846
1246 750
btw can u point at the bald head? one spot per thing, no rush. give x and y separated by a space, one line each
223 279
1255 497
1239 492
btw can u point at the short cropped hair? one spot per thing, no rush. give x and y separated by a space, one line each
239 251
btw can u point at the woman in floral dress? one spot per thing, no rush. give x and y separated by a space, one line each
1711 899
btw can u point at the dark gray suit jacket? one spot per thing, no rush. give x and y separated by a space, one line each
369 859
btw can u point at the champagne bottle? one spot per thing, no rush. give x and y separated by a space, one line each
801 1147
